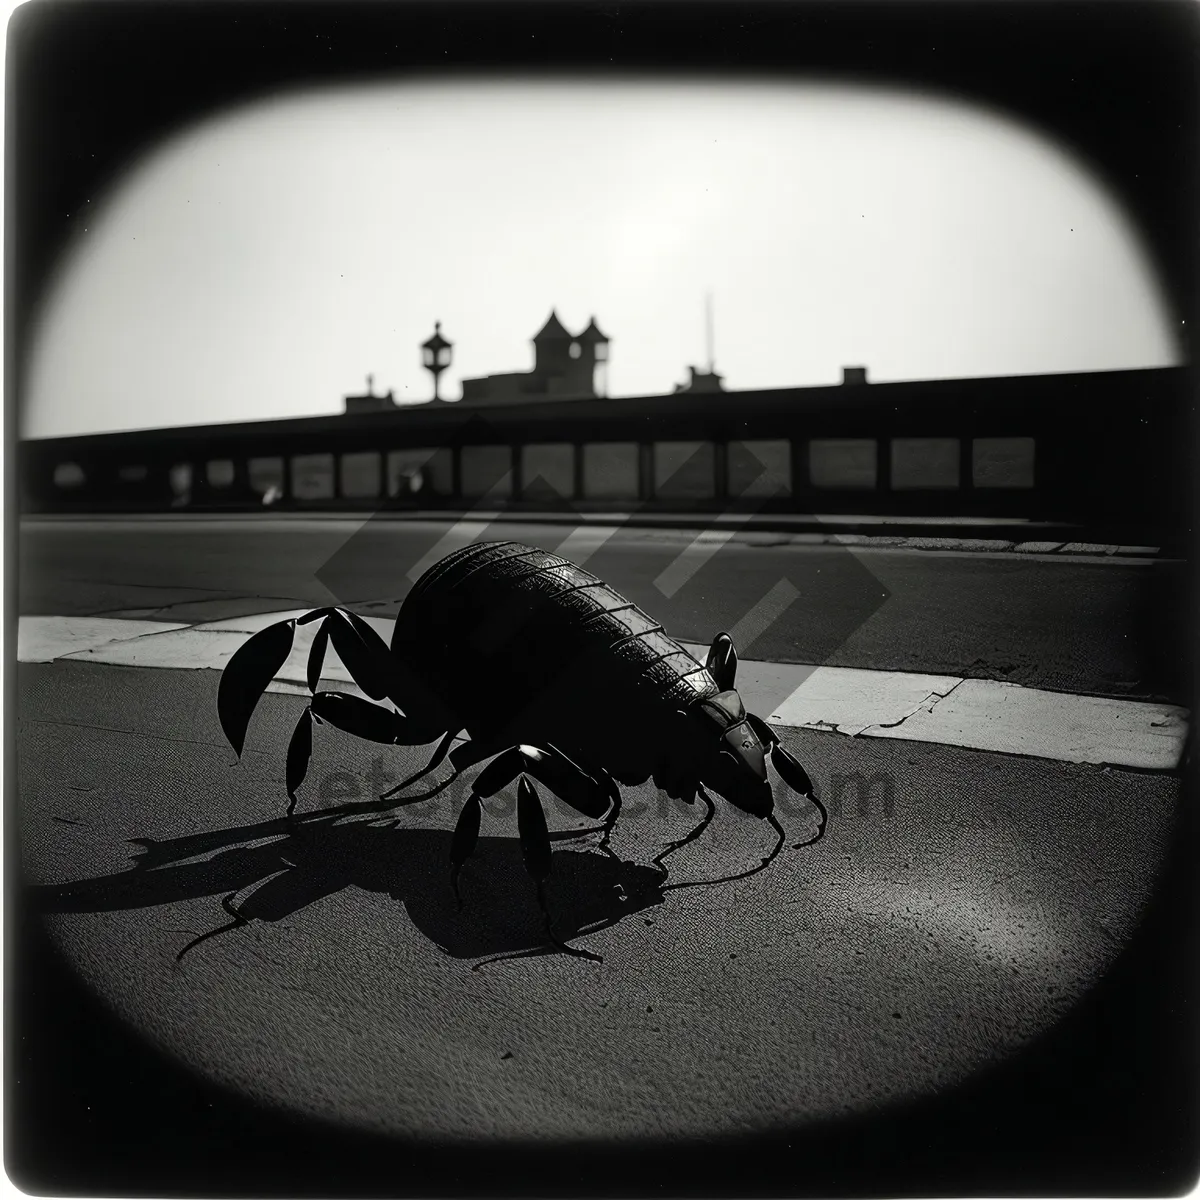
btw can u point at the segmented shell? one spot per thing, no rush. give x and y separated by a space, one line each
501 629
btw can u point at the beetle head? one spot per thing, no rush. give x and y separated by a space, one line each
733 759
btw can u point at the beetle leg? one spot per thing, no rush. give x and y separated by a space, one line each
462 845
549 766
536 851
709 811
583 790
474 751
439 754
611 820
593 793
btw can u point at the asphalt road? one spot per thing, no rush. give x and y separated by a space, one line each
934 978
1107 626
898 957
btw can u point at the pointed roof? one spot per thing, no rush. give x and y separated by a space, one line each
553 330
592 333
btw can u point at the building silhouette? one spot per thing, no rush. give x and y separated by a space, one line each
565 368
702 381
369 401
1026 448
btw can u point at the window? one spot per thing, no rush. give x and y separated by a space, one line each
842 462
312 476
219 472
265 474
69 475
924 463
1004 462
610 471
361 474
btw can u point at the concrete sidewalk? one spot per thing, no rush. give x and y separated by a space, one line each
984 714
953 912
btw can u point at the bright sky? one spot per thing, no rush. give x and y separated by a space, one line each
262 263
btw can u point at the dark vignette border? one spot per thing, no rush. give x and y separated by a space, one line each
1104 1104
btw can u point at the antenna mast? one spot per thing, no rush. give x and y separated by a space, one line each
708 329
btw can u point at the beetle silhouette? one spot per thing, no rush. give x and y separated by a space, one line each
556 678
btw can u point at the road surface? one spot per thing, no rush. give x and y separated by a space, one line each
1102 625
937 969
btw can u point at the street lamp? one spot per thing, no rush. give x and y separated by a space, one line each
435 355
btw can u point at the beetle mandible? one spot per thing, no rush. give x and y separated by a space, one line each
555 677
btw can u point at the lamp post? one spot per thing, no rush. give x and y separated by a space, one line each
435 355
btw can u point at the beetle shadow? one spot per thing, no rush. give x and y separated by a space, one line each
586 890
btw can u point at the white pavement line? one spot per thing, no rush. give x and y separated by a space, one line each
43 639
186 649
853 701
986 714
214 643
979 714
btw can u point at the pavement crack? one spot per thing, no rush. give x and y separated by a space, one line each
927 705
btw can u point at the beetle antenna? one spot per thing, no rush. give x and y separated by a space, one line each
766 862
820 825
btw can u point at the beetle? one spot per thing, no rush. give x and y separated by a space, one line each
555 677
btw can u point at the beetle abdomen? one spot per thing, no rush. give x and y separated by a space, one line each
504 624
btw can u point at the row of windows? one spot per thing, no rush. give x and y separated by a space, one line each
611 470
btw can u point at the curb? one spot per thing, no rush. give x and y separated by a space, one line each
980 535
948 710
